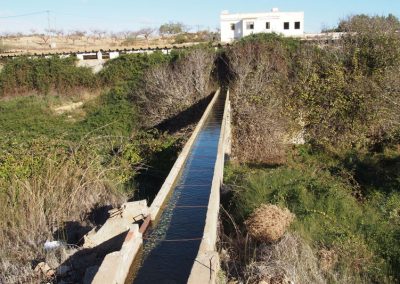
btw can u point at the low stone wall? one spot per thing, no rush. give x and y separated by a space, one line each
95 64
206 265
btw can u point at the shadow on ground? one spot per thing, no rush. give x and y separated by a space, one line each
88 261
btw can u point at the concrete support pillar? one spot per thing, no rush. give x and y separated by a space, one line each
99 55
114 54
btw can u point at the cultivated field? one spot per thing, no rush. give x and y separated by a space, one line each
22 44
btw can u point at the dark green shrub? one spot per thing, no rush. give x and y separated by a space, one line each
272 38
342 96
42 75
129 68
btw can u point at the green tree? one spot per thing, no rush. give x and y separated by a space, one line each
172 28
364 23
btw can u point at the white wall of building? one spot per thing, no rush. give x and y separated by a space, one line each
249 23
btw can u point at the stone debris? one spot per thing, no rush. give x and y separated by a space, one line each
69 107
44 269
83 263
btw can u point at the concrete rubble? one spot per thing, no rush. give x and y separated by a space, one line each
104 248
45 270
119 222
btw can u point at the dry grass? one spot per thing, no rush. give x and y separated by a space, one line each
290 260
33 208
63 43
328 259
269 223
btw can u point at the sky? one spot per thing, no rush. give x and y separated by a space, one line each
120 15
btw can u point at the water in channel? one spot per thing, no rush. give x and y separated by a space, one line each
170 248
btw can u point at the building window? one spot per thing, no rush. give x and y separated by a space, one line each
286 25
232 27
267 25
250 25
297 25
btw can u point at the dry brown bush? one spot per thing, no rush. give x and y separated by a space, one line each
268 223
390 97
328 258
290 260
33 208
353 262
259 88
172 88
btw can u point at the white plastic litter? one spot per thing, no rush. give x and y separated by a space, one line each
50 245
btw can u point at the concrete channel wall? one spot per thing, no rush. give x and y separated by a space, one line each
116 266
206 265
166 188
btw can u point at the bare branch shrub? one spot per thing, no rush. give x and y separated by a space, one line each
76 35
98 33
125 34
44 38
260 86
391 96
146 33
172 88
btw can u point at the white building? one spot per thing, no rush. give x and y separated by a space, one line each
236 26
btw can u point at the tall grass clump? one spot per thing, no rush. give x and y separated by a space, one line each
43 185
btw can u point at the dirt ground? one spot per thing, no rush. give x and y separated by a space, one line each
38 44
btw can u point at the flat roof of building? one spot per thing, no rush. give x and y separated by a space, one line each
225 15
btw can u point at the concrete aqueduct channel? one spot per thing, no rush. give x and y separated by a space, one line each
176 243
